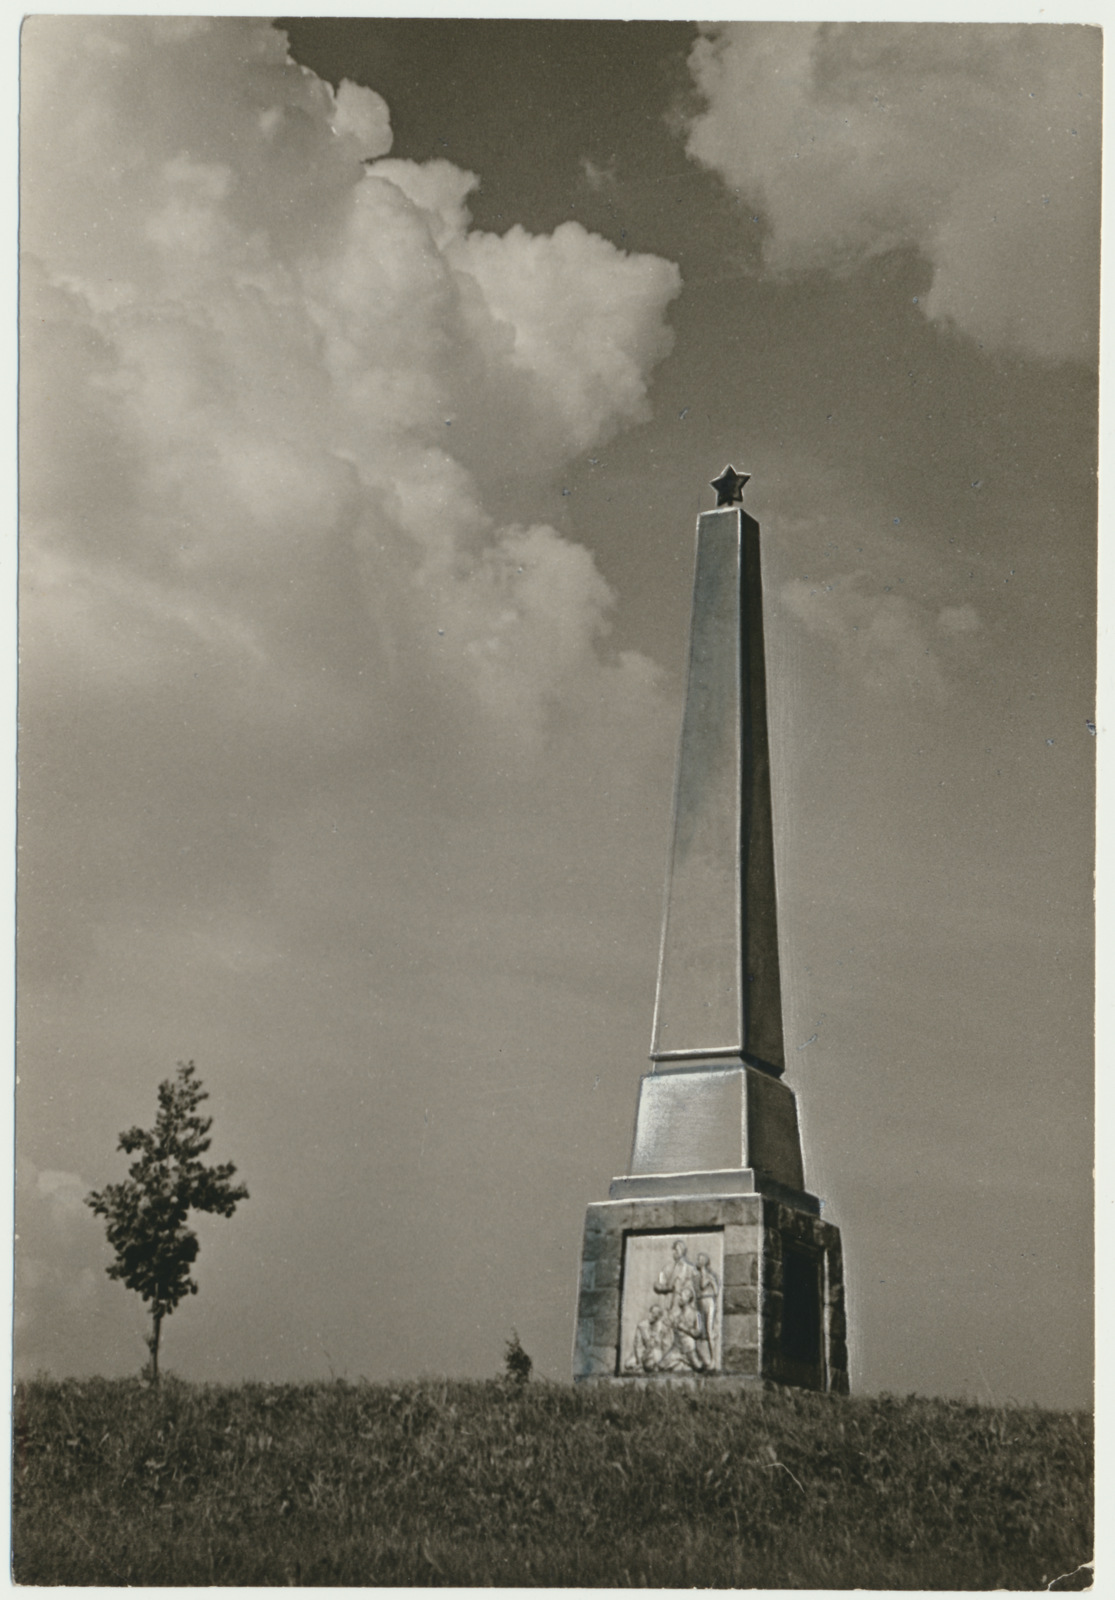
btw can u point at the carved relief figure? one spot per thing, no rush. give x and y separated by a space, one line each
652 1339
688 1336
681 1275
680 1327
708 1299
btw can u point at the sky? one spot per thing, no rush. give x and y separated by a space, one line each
373 373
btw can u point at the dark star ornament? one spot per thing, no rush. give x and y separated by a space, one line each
729 487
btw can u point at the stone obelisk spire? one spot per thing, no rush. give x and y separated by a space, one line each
713 1103
719 995
709 1260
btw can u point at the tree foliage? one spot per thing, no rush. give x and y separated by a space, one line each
147 1214
517 1363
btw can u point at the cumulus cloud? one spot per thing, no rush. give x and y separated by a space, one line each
265 380
363 115
977 144
885 638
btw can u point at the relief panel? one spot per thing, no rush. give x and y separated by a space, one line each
672 1302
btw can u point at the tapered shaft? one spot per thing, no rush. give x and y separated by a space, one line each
719 992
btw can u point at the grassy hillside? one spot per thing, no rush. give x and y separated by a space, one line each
487 1483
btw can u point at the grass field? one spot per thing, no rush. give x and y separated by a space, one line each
470 1483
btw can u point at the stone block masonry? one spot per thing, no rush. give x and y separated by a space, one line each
760 1281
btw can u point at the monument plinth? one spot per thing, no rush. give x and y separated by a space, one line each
710 1257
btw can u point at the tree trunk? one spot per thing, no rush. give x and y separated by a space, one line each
153 1345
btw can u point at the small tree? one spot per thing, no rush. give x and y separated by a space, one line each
516 1360
146 1214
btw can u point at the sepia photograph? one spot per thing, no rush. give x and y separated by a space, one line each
557 735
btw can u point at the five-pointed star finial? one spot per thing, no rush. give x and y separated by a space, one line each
729 487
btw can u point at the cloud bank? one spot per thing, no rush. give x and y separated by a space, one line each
978 145
272 381
262 375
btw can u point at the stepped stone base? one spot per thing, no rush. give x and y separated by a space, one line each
710 1186
692 1288
708 1117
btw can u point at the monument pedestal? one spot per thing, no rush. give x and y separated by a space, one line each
766 1277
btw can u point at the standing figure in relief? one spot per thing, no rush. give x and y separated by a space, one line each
708 1298
674 1279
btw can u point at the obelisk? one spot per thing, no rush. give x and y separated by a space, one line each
710 1258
